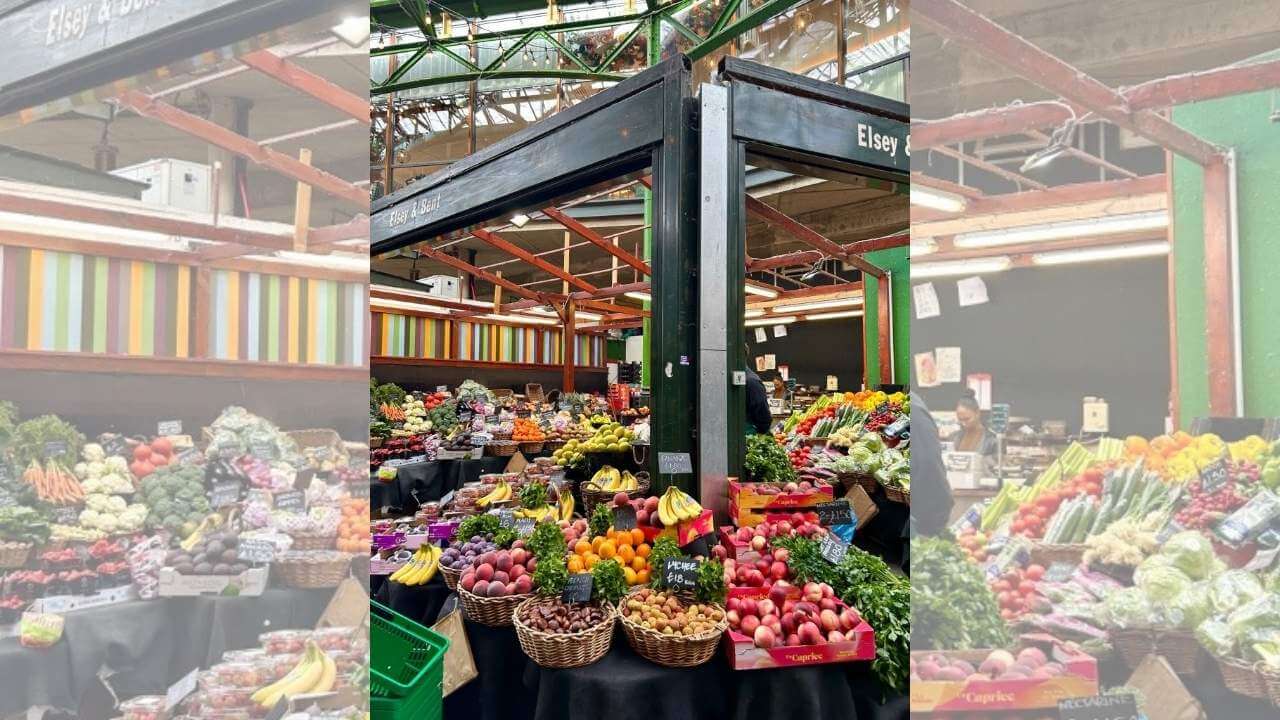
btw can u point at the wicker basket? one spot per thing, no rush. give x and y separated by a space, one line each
531 448
315 574
14 555
672 650
590 498
501 449
1181 649
567 650
318 437
451 576
1242 678
866 482
1047 554
1134 644
553 445
1271 679
494 612
533 391
897 495
313 542
814 442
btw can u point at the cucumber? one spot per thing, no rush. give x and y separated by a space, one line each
1101 521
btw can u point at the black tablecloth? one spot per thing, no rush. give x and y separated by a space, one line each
145 645
429 481
624 685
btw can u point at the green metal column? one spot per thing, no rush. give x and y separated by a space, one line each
653 35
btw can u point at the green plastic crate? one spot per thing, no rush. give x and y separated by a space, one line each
406 667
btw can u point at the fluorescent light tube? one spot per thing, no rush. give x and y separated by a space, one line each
753 289
787 320
581 315
937 199
639 296
834 315
1111 224
520 319
1115 252
976 266
753 313
818 305
923 246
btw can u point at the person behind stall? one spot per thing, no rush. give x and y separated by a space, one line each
779 388
930 492
973 436
758 417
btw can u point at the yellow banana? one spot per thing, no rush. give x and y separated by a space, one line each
328 674
303 675
665 513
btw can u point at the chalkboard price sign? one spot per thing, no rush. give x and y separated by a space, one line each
675 463
836 512
54 449
506 517
1121 706
165 428
292 501
224 493
1213 476
833 549
524 526
1059 572
624 518
359 490
577 589
113 445
256 550
680 573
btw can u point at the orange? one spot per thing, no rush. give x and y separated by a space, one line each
637 536
608 549
582 547
630 575
638 563
643 549
625 554
574 564
592 560
642 577
596 542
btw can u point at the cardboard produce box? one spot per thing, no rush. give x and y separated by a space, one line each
744 655
758 496
684 532
1079 679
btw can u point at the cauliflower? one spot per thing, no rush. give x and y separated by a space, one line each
89 518
118 465
93 452
81 470
96 469
115 503
116 484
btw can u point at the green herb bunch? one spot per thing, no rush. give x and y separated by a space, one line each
952 605
608 582
533 495
504 537
546 541
601 520
710 586
482 525
664 548
550 575
767 461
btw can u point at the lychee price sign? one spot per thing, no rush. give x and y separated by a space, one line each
680 573
1102 707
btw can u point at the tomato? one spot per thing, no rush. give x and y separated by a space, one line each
1004 598
1035 572
1026 587
1002 586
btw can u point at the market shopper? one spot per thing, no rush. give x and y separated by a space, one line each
758 417
931 494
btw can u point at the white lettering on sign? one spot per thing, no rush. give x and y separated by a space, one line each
421 207
72 20
870 138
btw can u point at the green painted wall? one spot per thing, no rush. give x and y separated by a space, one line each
1242 122
898 262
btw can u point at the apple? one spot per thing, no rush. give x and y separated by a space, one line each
765 606
758 543
829 620
765 637
749 624
747 607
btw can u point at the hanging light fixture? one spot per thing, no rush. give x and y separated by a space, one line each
813 271
1059 144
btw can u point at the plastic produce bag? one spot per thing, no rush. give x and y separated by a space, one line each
1127 608
1256 622
1214 635
40 630
1192 553
1191 607
1160 583
1234 589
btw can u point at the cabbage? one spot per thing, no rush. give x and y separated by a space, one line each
1191 607
1190 552
1160 582
1127 608
1234 589
1256 622
1215 636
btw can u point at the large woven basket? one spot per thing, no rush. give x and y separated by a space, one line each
567 650
672 650
897 495
313 574
1047 554
1242 678
451 576
313 542
1133 644
866 482
14 555
1271 679
531 448
501 449
1181 649
318 437
494 612
590 498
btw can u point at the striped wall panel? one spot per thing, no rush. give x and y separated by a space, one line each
276 318
395 335
67 302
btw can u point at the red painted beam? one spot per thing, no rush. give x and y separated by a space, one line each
965 27
495 240
1219 303
808 257
569 344
611 308
299 78
1052 197
807 235
233 142
357 228
595 239
1008 120
466 267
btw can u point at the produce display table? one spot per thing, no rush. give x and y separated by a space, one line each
431 480
624 685
146 644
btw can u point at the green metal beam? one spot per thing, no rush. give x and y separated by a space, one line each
554 74
752 20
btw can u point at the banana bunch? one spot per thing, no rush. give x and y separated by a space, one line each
501 493
608 479
314 673
539 514
675 506
420 568
566 505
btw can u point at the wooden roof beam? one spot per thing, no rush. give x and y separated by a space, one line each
233 142
807 235
596 239
963 26
305 81
466 267
1007 174
495 240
